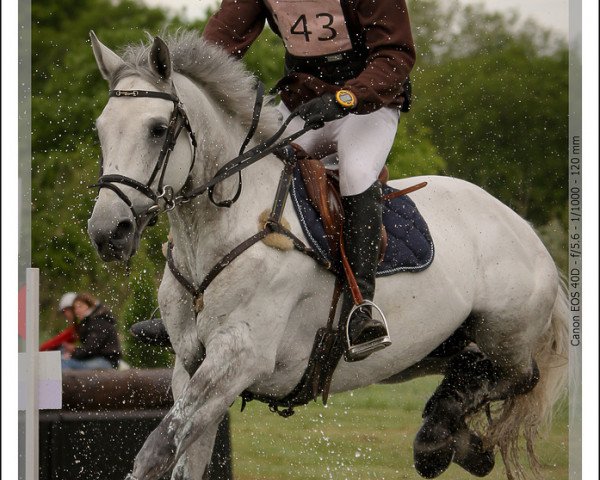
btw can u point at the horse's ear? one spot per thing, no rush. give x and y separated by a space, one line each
160 59
107 60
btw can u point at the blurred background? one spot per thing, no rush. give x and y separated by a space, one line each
490 106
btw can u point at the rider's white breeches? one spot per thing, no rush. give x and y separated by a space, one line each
362 142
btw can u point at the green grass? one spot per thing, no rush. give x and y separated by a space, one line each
365 434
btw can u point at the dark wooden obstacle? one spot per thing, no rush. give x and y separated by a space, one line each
105 419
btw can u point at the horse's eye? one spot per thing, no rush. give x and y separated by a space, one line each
157 131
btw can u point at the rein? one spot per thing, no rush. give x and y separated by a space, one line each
260 91
244 160
178 121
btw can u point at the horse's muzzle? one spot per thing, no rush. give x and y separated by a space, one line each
113 242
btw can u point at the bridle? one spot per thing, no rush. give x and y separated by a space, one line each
177 122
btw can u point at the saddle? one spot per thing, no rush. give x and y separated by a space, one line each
406 244
322 187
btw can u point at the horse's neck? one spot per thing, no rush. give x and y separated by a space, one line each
203 233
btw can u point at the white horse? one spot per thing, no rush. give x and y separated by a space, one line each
491 275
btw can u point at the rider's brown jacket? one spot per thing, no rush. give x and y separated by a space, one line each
387 34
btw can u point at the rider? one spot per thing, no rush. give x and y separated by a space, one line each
346 69
349 57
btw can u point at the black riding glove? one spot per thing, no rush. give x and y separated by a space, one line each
318 111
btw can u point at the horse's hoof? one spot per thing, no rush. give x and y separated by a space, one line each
471 455
433 449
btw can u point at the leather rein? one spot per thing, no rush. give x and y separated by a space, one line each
179 120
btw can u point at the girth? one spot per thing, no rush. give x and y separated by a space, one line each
328 348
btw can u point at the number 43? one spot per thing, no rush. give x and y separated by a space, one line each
300 27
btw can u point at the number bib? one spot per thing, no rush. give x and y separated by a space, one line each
311 28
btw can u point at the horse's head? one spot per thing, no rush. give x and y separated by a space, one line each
145 162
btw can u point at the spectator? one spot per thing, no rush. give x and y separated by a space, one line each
99 344
68 335
66 305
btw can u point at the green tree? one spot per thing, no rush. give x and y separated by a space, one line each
67 95
504 129
494 98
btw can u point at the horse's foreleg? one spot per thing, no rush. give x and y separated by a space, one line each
234 361
184 468
194 461
179 317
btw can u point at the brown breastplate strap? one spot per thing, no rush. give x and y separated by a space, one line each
272 225
198 292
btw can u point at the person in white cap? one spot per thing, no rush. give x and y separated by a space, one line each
65 340
65 306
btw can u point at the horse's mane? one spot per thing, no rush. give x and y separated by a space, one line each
223 77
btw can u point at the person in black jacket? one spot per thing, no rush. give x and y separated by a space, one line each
99 346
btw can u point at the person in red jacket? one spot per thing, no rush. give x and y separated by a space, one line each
347 65
67 337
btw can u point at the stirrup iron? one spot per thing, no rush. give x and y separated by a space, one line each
362 350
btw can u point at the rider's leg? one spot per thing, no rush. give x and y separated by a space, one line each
364 142
362 237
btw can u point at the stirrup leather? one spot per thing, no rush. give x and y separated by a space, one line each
362 350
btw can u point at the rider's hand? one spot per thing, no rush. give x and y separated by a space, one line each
318 111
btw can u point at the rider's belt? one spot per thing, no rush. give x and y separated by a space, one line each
335 69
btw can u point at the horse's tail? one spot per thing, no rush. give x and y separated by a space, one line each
526 416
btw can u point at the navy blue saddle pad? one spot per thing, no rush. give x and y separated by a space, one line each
409 247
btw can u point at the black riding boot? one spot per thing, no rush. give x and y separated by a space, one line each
362 237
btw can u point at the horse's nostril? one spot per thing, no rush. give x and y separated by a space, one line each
123 230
